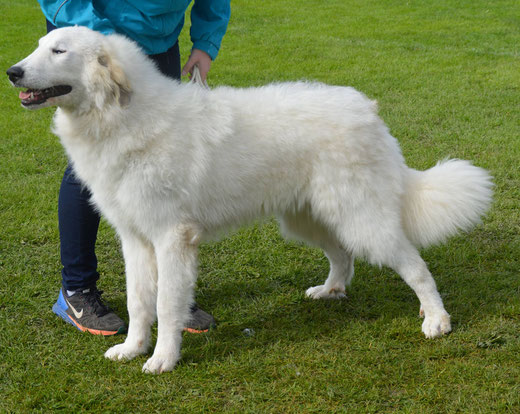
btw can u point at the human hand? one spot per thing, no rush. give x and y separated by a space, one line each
200 59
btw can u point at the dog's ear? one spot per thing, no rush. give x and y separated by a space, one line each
108 81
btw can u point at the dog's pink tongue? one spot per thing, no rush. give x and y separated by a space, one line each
24 95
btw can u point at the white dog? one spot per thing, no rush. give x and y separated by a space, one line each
172 164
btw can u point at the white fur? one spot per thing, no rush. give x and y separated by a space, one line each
171 165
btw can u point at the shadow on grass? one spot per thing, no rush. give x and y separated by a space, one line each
260 286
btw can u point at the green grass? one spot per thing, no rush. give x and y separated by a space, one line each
446 75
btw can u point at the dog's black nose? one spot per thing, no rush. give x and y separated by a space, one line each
15 73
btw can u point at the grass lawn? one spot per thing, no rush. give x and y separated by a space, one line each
447 77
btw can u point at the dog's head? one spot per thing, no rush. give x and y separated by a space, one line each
73 67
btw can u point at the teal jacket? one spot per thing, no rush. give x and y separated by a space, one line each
154 24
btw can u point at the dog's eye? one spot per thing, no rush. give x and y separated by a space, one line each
58 51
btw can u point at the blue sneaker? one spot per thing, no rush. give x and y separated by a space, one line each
86 311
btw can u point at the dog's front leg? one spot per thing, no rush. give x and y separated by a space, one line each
141 288
176 252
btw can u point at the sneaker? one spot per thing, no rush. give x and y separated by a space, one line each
86 311
200 321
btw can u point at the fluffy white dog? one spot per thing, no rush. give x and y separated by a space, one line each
172 164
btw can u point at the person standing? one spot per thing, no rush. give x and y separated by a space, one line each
155 25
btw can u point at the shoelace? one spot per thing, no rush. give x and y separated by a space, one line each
93 298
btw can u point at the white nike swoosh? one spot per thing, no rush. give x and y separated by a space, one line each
76 313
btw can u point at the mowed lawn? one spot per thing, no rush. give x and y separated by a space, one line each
446 75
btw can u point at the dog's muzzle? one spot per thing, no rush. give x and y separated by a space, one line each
34 97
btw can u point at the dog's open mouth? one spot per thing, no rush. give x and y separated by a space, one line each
39 96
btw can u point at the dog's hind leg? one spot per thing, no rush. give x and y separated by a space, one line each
303 227
404 258
176 252
383 242
141 281
340 275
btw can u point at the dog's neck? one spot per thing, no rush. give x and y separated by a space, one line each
89 123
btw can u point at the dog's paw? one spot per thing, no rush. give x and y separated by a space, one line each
323 292
436 325
158 364
124 351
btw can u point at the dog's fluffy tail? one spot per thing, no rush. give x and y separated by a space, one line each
441 201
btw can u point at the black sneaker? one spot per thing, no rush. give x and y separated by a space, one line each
200 321
86 311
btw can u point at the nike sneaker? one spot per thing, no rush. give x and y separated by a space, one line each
200 321
86 311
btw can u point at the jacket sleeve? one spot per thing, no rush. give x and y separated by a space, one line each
76 12
209 20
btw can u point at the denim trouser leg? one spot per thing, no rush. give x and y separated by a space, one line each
78 224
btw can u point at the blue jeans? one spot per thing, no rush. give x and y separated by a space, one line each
78 221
